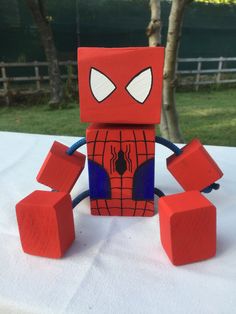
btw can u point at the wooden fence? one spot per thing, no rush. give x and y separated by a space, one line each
221 72
12 85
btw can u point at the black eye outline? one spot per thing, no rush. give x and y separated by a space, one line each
141 102
90 86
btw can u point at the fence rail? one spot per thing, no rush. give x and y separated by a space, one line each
199 74
202 76
7 81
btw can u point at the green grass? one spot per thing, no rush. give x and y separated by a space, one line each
39 119
208 115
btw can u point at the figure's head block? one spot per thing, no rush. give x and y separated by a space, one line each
120 85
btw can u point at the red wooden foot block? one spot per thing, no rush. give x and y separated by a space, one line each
59 170
46 223
194 169
187 227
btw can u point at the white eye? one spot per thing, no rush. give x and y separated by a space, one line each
140 86
101 86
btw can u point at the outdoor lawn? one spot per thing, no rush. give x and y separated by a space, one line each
208 115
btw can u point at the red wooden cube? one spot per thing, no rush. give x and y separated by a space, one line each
194 169
120 85
46 223
187 227
60 170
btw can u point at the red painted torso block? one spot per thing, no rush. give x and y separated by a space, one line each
187 227
121 151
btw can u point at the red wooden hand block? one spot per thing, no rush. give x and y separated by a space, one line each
60 170
187 227
194 169
46 223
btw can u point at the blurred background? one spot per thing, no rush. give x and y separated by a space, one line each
204 74
208 31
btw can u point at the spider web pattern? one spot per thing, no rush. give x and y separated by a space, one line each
138 145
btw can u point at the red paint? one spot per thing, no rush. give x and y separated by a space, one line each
103 144
194 169
187 227
120 65
59 170
125 127
46 224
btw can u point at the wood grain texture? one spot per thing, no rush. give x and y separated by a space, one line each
46 224
60 170
121 169
121 66
194 169
187 227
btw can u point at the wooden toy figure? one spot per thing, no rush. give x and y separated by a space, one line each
121 95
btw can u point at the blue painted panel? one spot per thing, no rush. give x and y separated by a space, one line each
143 184
99 181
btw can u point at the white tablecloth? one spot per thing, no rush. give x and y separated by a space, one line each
116 264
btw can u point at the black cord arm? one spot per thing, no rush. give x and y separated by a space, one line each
75 146
210 188
168 144
79 198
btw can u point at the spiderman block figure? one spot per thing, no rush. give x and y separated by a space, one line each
120 96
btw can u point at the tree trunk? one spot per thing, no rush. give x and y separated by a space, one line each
43 24
169 120
153 33
153 30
